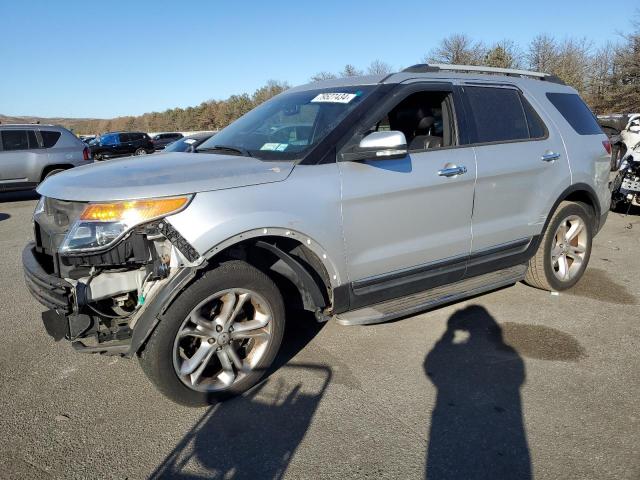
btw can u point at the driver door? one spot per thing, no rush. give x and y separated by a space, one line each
407 223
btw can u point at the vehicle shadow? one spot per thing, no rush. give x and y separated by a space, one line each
477 429
256 435
20 196
4 216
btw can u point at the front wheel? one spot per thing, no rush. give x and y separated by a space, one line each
218 338
565 249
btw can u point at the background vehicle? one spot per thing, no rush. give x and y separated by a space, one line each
188 144
30 153
625 188
191 262
163 139
614 123
87 138
121 144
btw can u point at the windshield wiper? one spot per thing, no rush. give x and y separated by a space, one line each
227 148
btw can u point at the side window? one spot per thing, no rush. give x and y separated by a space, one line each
15 140
425 118
124 137
33 141
537 128
497 114
575 112
49 138
110 139
136 136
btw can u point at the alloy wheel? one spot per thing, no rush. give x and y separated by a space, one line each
569 248
222 340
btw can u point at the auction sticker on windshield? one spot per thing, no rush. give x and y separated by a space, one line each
334 98
275 147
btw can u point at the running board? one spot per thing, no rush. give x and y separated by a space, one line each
417 302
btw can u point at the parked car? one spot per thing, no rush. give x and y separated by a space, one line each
411 190
30 153
87 138
188 144
163 139
121 144
613 124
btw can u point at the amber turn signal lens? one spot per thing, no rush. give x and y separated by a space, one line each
133 212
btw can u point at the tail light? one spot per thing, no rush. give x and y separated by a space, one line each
85 154
607 146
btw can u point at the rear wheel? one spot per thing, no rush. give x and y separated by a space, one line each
52 173
98 157
218 338
565 249
140 151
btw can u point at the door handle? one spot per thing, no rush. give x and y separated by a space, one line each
452 171
550 156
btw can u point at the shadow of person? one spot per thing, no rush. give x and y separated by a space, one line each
255 435
477 429
4 216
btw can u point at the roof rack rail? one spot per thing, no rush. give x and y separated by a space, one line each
439 67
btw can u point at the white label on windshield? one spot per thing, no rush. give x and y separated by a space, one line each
334 98
277 147
190 141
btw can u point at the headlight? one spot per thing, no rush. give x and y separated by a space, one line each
103 224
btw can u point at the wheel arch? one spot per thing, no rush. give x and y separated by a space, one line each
579 192
291 259
56 166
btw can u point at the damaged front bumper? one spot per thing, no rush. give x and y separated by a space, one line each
106 301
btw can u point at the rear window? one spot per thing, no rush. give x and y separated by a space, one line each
49 138
498 114
575 112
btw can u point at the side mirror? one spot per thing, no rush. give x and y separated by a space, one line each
380 146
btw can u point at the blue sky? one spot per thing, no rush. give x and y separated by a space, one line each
104 59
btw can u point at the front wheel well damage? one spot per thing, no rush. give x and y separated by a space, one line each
296 270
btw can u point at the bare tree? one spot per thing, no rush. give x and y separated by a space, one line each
379 67
573 62
458 49
542 55
318 77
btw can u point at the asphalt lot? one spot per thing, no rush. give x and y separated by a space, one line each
512 384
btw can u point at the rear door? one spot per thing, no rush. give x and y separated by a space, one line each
125 145
522 169
19 156
407 226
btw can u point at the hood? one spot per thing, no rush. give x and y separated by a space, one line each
161 175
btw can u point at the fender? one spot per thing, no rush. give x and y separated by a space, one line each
158 305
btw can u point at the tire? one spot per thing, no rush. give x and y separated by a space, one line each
165 355
140 151
98 157
618 151
546 273
52 173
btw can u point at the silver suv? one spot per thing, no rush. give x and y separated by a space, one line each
359 200
30 153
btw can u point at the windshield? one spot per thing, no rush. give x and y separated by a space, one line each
288 126
183 144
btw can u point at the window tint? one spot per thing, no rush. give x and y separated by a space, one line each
575 112
497 114
125 137
136 136
537 128
33 141
15 140
49 138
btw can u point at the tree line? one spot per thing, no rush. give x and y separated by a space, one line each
607 77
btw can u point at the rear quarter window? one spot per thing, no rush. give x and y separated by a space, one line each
49 138
575 112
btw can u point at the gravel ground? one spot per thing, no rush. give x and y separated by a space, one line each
517 383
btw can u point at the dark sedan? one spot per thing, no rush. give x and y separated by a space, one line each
188 144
